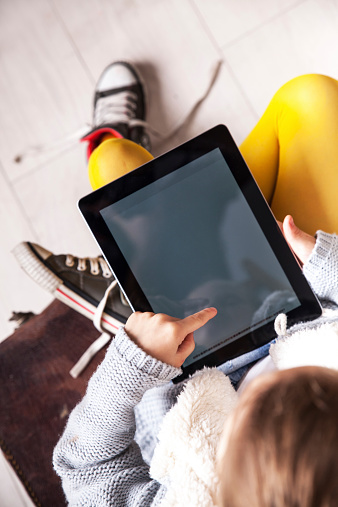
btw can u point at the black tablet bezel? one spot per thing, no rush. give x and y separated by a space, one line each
217 137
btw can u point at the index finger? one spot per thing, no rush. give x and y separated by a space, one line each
197 320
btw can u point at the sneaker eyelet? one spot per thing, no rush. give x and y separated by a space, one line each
69 262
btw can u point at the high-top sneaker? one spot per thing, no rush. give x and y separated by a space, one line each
80 283
119 107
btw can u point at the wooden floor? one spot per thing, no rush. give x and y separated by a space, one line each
53 51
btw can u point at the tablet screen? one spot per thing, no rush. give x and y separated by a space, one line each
191 241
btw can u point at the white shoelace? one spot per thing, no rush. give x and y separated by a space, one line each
118 114
100 342
95 263
118 108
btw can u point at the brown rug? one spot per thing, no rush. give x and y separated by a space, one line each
37 394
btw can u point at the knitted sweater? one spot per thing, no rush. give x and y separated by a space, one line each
98 458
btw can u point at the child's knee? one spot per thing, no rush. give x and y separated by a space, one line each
114 158
308 94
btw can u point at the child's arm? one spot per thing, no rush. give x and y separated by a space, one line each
319 257
321 269
97 457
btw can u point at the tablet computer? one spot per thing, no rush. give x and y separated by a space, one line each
191 229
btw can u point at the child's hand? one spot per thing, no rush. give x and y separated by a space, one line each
166 338
301 243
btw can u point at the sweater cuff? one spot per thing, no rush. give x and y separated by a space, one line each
134 355
325 243
322 266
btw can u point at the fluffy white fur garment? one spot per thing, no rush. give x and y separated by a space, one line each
184 459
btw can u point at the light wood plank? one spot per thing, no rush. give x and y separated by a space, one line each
226 105
44 87
229 20
57 187
303 40
12 492
18 292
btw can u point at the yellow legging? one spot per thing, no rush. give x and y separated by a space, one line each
292 153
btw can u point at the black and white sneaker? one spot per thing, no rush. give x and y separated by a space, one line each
85 284
119 106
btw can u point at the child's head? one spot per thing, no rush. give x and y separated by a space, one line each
280 446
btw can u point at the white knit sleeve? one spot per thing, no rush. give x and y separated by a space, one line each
97 457
321 270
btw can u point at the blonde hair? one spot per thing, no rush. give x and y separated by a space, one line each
280 448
